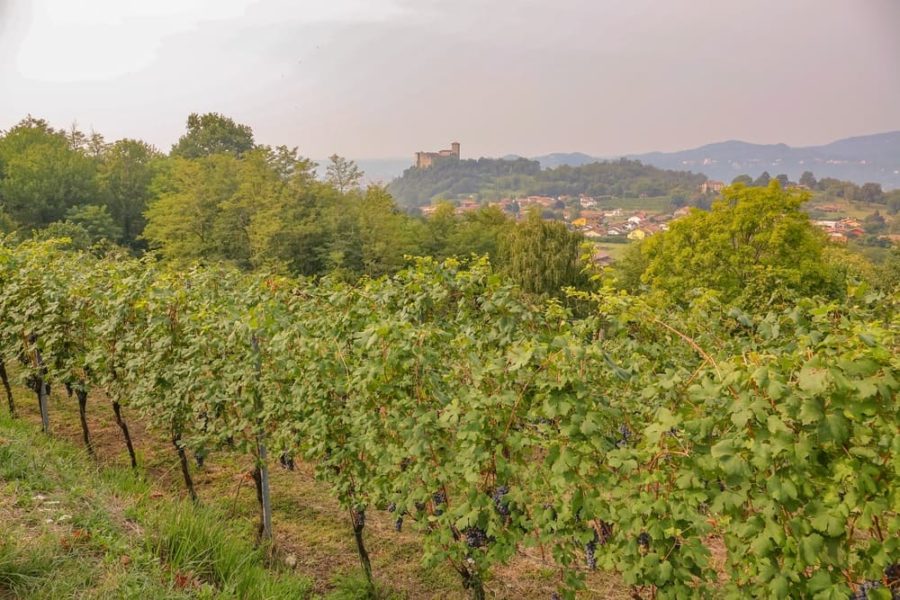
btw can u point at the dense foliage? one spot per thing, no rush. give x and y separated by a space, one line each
491 179
220 197
632 439
755 247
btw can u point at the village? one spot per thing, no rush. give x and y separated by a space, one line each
611 227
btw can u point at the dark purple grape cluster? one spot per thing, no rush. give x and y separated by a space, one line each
589 549
391 507
287 461
439 499
606 532
625 436
475 537
398 524
862 593
643 539
500 505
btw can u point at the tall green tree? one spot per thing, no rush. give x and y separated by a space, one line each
212 133
96 220
125 175
763 179
755 244
808 179
181 222
342 173
871 192
543 257
42 175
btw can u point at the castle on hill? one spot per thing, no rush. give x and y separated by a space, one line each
426 159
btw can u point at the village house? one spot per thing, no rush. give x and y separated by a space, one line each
711 187
467 205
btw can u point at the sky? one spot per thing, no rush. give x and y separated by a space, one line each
385 78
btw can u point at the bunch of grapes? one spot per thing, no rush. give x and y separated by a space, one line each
863 592
475 537
606 532
643 541
398 524
589 550
438 498
500 505
391 507
287 461
625 434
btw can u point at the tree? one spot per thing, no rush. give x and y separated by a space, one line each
874 223
182 219
96 221
892 199
78 236
808 179
125 175
872 193
343 174
763 180
744 179
782 179
212 133
754 245
542 257
41 175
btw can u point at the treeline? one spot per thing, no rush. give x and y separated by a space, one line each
491 179
217 195
831 188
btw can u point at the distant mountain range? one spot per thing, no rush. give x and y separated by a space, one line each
859 159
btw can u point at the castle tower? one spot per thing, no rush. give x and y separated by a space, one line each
454 149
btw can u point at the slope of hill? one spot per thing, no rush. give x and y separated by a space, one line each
492 179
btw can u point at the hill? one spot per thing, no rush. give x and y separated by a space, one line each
861 159
492 179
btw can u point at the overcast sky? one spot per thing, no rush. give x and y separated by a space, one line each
384 78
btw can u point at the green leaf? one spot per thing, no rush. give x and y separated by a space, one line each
812 379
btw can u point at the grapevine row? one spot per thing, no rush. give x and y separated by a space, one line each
628 440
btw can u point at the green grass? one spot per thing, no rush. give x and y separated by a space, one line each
615 251
72 530
353 586
198 544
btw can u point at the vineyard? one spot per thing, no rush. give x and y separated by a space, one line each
603 432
